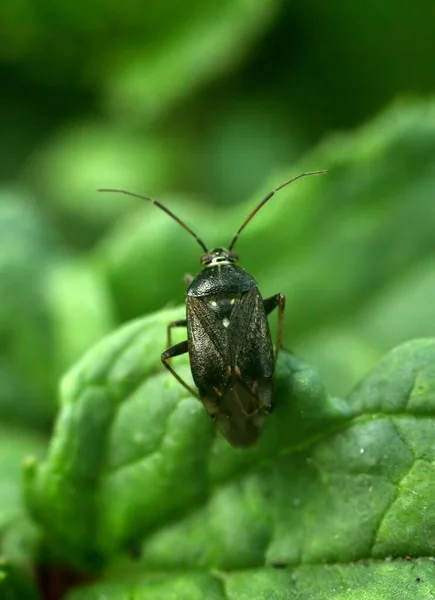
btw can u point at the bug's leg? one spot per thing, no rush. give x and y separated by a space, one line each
180 323
188 278
177 350
269 305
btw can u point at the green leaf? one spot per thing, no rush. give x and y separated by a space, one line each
14 447
407 580
345 248
122 424
332 482
359 491
18 536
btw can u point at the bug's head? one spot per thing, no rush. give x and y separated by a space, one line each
218 256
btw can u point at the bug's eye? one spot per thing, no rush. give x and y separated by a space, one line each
233 256
205 258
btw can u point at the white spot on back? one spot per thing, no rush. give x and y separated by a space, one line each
233 301
225 322
213 303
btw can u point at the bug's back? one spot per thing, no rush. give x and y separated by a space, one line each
231 351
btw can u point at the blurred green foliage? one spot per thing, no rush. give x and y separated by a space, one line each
206 106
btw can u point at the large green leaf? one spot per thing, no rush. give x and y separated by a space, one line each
340 483
365 581
344 247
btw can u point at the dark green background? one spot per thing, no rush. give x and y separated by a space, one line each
207 106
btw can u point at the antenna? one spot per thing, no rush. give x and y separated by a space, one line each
268 197
166 210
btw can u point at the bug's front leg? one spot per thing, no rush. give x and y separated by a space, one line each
179 323
269 305
177 350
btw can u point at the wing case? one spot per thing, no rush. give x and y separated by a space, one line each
232 360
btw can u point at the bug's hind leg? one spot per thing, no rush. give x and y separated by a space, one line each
177 350
269 305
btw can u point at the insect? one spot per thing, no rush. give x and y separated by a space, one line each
228 338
